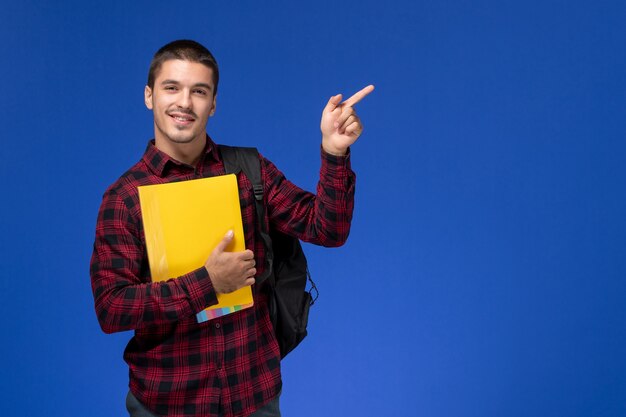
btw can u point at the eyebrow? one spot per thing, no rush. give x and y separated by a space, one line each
205 85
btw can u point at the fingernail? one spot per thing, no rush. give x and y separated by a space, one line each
229 233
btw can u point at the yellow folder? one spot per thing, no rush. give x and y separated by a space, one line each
183 222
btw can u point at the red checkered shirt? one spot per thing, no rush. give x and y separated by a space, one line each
230 365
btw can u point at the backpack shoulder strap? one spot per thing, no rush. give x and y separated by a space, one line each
237 159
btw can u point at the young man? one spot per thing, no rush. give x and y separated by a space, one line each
229 366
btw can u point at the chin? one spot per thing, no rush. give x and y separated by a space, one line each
182 139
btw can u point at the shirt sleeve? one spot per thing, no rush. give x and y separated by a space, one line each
125 299
323 218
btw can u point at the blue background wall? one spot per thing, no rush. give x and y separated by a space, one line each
484 275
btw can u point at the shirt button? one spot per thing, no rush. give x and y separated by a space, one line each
217 325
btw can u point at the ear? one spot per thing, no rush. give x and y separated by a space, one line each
147 97
213 106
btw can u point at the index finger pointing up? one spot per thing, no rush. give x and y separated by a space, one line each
358 96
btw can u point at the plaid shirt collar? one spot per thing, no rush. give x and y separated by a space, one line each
158 161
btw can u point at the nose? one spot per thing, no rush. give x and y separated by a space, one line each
184 99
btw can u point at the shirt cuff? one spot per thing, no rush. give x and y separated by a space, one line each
336 169
198 286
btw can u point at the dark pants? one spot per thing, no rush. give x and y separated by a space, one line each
137 409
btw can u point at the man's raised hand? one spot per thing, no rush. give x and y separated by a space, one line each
340 125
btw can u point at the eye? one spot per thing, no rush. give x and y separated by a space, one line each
200 91
170 88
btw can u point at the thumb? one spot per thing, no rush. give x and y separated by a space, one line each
221 247
333 103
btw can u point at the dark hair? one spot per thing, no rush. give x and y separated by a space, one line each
185 50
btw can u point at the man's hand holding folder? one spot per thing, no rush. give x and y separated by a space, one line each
230 271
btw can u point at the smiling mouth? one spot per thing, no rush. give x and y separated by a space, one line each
182 119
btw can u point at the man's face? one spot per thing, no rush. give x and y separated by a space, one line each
182 101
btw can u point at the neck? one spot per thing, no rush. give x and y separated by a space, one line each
187 153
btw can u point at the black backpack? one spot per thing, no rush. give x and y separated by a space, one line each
286 267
